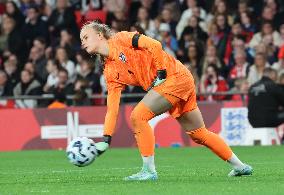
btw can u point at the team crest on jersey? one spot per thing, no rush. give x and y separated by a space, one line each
122 57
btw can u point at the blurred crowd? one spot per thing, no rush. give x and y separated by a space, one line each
225 44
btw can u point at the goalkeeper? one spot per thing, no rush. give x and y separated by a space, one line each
133 59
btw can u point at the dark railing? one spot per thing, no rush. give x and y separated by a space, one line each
102 96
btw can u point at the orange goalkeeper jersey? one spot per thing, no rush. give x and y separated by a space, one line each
127 65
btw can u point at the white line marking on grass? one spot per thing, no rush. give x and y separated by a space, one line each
264 163
41 191
74 170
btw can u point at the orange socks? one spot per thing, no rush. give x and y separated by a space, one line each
143 132
146 141
212 141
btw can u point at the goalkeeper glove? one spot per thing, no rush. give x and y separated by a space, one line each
104 145
161 77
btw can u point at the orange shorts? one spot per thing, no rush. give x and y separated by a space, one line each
179 90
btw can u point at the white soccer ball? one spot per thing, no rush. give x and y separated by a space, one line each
81 151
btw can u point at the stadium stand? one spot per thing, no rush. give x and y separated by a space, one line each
237 39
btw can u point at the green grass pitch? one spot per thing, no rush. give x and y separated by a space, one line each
181 171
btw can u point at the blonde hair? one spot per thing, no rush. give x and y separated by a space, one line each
99 27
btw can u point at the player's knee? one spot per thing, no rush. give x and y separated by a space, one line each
140 114
135 119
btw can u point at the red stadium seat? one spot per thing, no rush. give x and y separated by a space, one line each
79 19
96 15
2 8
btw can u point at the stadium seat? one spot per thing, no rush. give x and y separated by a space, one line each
262 136
2 8
96 15
79 19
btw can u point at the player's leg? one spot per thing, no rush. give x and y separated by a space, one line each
192 123
151 105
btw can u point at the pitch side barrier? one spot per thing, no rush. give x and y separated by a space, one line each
104 96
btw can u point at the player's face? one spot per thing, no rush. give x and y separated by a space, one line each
90 40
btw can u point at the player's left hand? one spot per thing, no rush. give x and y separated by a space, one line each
161 78
104 145
101 147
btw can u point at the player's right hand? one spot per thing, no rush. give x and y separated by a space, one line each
104 145
161 77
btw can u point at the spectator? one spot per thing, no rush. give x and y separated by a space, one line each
279 65
150 5
186 15
173 7
31 68
247 23
237 43
267 14
222 23
13 11
223 31
40 43
220 7
236 32
212 82
137 28
11 69
185 41
87 73
80 55
168 41
167 17
113 6
281 30
82 93
70 44
62 18
65 62
34 26
213 35
243 7
266 30
193 60
197 32
201 22
3 84
256 70
118 21
27 86
63 85
25 5
14 42
37 57
240 68
145 22
211 57
52 68
269 50
265 98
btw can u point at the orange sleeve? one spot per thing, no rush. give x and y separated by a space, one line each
155 48
113 100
